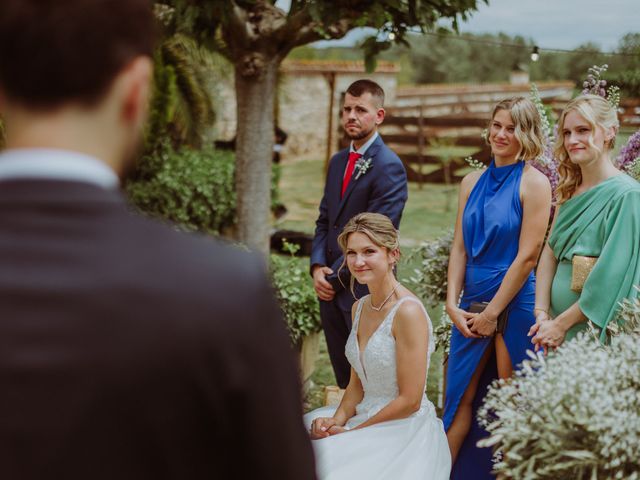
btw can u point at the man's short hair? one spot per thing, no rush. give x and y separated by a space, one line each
359 87
58 51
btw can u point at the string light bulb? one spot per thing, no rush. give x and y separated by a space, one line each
535 54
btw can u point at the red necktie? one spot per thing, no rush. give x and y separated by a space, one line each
351 164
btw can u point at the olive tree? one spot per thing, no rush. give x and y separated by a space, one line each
256 36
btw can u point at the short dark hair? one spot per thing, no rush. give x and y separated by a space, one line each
56 51
362 86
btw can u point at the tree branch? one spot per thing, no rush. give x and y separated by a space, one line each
234 31
309 34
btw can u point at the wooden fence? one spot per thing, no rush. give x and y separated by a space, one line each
434 127
629 112
428 126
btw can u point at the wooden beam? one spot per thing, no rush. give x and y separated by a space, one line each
331 78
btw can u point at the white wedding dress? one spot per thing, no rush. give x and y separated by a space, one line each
412 448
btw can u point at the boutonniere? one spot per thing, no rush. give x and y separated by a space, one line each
362 166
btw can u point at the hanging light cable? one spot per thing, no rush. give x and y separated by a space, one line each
470 39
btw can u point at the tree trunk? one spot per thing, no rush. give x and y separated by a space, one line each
254 148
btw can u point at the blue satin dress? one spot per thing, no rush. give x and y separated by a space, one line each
491 224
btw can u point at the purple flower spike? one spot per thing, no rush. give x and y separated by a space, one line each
629 152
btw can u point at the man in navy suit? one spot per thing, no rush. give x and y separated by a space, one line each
366 177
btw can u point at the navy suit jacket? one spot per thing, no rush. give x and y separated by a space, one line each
381 189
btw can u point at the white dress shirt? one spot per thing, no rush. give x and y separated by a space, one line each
52 164
361 150
364 147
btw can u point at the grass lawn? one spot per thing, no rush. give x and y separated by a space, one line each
429 212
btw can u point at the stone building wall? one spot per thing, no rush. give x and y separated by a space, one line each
303 104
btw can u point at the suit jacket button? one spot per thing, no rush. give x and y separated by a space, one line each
335 227
330 251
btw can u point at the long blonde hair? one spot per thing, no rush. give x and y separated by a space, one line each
377 227
528 125
598 112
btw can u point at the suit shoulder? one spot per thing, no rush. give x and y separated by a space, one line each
388 155
191 255
339 156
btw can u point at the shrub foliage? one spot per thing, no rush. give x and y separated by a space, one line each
193 188
575 414
295 293
429 281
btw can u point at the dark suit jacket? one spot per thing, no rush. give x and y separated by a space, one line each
129 350
381 189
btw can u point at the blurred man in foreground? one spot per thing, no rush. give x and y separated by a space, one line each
127 350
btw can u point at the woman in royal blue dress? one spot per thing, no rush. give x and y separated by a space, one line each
502 217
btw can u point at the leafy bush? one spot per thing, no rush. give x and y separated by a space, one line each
575 414
634 169
628 81
429 281
295 293
192 188
628 317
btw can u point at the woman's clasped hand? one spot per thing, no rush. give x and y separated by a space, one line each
324 427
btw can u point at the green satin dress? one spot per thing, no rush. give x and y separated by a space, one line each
602 222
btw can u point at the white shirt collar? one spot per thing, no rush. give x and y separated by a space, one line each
52 164
362 150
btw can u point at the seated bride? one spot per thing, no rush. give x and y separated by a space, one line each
384 427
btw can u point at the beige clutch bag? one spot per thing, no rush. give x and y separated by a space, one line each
580 269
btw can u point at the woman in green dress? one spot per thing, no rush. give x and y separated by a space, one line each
592 259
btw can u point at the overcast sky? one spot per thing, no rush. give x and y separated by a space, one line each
563 24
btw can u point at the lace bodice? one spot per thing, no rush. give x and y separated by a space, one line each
376 364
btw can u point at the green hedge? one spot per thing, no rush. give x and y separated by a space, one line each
193 188
429 281
295 293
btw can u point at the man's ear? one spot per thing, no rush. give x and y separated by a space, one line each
137 87
380 113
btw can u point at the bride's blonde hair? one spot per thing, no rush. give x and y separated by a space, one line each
377 227
598 113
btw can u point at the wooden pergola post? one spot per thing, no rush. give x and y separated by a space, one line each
421 140
331 78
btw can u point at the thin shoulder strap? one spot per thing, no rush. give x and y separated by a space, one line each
356 319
